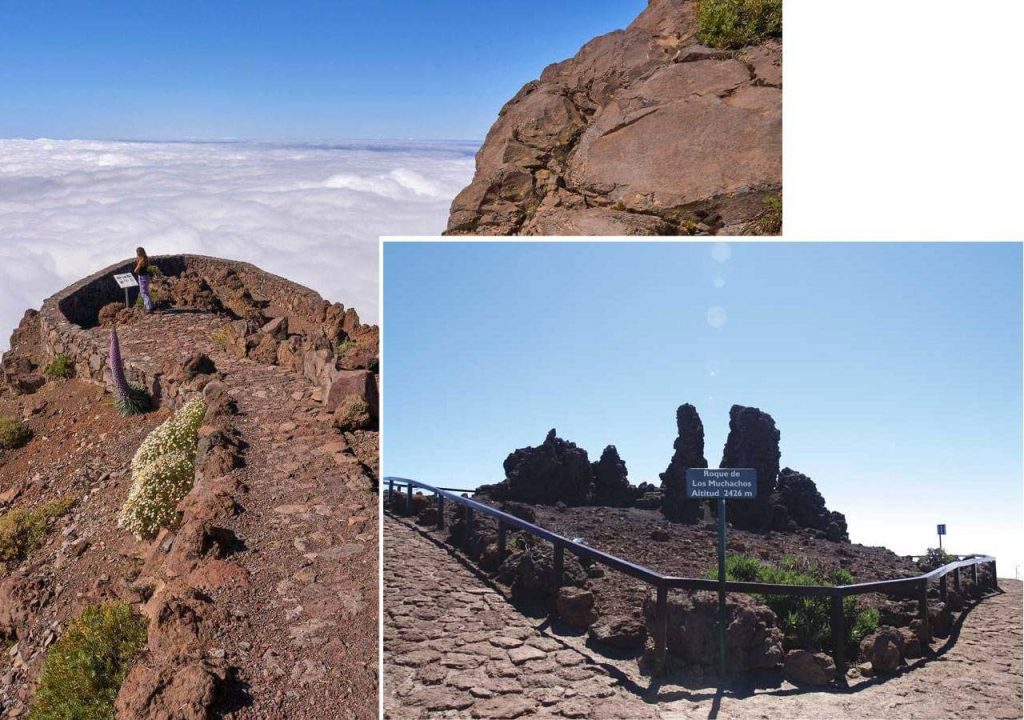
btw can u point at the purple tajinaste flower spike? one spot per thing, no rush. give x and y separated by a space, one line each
130 399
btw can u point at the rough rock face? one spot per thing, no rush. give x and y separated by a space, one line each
610 484
883 649
753 442
555 471
806 507
807 668
753 640
645 131
689 453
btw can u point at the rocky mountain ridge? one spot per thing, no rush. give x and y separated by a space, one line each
645 131
260 601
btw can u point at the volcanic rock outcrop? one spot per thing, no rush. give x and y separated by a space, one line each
610 484
555 471
806 507
645 131
753 442
689 453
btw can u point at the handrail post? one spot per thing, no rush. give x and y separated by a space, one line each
408 500
391 490
559 565
661 630
956 581
502 539
943 592
995 578
469 525
974 578
440 511
922 604
838 633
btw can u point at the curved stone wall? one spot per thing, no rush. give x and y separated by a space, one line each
314 325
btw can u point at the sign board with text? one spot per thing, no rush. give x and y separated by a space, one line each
721 483
125 280
942 529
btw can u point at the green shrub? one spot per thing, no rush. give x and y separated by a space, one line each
807 620
22 531
769 222
738 23
83 671
13 433
60 367
163 471
935 558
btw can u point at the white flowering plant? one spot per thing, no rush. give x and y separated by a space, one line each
163 471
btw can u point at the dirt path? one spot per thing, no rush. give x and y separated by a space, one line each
446 656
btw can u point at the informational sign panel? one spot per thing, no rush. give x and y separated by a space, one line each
721 483
126 280
942 529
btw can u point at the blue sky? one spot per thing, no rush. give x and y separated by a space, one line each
296 71
893 371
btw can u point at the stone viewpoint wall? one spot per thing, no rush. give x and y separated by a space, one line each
289 325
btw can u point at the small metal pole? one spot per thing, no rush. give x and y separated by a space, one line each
559 564
722 615
974 578
408 500
956 580
995 578
391 490
126 304
943 593
661 630
440 510
502 539
838 633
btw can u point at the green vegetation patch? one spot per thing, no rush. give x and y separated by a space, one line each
13 433
806 621
84 670
60 367
935 558
738 23
22 531
769 222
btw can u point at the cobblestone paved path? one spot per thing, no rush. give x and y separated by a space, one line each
302 629
454 647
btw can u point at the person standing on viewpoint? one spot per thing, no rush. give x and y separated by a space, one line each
142 273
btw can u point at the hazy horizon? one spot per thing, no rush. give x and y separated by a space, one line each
893 371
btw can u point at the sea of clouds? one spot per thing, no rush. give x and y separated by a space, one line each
311 213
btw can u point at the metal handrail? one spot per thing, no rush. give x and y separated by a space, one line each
663 583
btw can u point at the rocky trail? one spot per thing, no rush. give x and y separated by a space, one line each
449 637
294 596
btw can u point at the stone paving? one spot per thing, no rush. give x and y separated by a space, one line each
454 647
302 628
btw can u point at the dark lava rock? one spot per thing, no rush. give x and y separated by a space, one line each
621 633
753 638
689 453
520 510
534 577
557 470
753 442
610 484
805 506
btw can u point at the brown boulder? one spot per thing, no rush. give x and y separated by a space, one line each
576 606
621 633
883 649
644 131
808 668
185 690
353 413
339 385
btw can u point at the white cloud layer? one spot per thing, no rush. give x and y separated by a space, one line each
311 213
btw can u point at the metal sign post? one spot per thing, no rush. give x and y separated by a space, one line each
721 483
125 280
942 531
